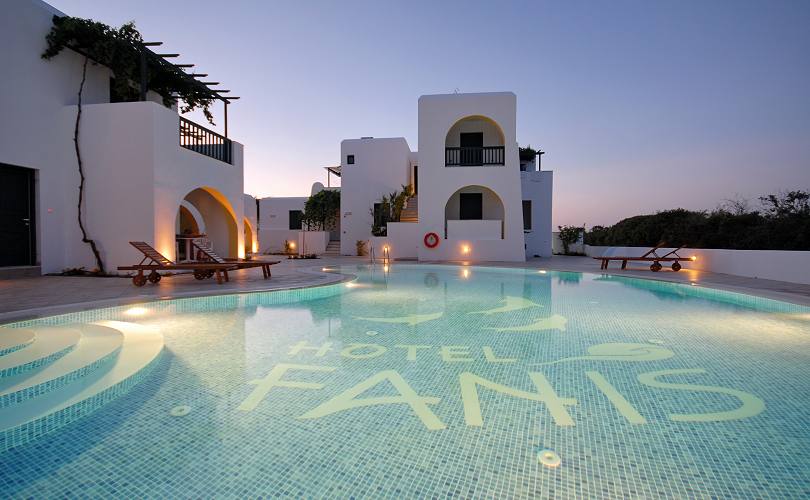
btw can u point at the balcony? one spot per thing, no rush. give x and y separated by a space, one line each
204 141
473 156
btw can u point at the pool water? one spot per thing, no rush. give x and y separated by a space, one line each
425 381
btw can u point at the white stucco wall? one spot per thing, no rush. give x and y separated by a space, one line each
137 174
403 241
438 114
537 186
275 211
381 166
312 242
780 265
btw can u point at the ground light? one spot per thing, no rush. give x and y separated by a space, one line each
136 311
542 271
549 458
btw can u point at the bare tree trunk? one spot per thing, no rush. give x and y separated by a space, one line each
85 239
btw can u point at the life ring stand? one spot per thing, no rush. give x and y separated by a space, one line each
431 240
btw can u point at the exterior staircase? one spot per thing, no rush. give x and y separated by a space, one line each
411 211
332 249
51 376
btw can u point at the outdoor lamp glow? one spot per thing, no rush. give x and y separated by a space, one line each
292 244
465 249
136 311
693 258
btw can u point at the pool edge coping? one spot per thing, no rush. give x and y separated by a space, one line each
43 312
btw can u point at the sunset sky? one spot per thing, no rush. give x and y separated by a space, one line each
640 106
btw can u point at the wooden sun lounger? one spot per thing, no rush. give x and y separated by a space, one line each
649 256
206 253
153 261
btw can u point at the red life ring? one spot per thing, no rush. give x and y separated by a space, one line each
431 240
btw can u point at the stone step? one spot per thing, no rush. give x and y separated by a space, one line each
97 347
35 417
14 339
332 249
50 344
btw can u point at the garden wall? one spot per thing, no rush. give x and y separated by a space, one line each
272 240
781 265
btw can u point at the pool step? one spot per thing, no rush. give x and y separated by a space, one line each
50 344
14 339
95 376
98 345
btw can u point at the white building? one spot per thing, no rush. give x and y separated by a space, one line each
471 190
150 174
280 223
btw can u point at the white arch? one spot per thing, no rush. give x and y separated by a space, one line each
489 140
222 226
198 218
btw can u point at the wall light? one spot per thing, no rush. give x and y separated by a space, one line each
292 244
465 249
693 258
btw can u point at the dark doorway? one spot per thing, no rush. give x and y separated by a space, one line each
472 148
295 219
415 180
527 215
471 206
17 216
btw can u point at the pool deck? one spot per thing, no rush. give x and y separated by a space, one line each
26 298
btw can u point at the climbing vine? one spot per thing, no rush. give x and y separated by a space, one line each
120 50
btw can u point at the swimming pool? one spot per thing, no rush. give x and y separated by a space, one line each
440 380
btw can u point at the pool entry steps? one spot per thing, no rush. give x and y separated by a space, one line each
52 376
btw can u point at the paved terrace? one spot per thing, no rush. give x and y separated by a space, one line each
25 298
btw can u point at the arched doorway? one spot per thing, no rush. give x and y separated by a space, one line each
205 211
474 212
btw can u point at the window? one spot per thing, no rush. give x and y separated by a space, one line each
350 159
380 217
295 219
527 215
471 206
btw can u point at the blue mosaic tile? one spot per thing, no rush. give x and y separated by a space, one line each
657 392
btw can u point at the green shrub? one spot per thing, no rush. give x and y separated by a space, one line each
782 223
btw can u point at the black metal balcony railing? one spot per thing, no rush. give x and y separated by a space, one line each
473 157
204 141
